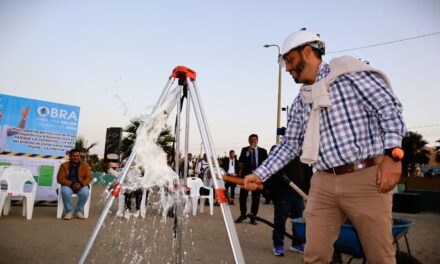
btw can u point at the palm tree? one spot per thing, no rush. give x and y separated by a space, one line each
437 151
165 139
81 145
413 145
128 141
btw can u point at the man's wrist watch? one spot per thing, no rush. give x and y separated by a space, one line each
396 154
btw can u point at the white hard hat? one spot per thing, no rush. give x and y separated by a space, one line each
298 39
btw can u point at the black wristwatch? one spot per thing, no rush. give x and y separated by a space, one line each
396 154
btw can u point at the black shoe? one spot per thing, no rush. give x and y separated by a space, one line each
170 214
231 203
240 219
216 204
253 219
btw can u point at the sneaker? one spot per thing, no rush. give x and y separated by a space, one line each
119 214
127 214
68 216
278 251
80 215
240 219
298 248
136 214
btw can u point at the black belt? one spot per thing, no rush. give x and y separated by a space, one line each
349 168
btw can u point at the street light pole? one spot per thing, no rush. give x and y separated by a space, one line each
279 90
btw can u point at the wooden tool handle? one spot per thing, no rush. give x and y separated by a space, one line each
238 181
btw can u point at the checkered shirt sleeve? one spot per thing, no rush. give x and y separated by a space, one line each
365 118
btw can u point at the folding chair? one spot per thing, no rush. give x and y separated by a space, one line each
195 184
60 207
15 182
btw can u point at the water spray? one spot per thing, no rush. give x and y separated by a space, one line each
152 159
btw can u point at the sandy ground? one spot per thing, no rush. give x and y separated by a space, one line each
45 239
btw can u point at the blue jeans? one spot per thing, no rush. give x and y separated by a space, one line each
286 205
66 194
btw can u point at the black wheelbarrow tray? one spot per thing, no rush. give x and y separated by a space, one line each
348 240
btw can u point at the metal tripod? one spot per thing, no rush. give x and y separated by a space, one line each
187 81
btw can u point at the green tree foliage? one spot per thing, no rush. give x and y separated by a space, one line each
81 145
100 166
93 158
129 138
437 151
413 145
165 139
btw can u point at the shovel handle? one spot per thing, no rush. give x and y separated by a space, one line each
238 181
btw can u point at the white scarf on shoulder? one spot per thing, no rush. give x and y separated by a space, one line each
318 95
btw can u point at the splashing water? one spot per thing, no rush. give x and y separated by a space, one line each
151 157
135 241
123 104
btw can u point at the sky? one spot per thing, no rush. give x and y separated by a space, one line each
113 58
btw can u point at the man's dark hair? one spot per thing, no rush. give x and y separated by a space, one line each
315 51
231 151
253 135
74 151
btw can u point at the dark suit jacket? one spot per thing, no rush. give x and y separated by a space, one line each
246 161
298 172
225 166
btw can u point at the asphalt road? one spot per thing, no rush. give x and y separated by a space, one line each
45 239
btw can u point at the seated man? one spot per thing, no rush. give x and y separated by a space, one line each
132 185
74 177
132 188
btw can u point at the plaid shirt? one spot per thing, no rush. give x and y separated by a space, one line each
365 119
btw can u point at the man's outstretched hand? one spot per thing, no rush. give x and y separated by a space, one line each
252 181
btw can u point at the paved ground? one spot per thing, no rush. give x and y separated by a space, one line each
45 239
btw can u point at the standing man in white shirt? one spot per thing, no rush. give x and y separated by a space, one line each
230 165
201 166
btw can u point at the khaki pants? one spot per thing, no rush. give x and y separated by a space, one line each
332 199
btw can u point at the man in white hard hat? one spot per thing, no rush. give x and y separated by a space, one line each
348 124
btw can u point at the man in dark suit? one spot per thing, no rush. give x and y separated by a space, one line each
230 165
250 158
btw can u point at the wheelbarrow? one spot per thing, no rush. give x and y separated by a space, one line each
348 241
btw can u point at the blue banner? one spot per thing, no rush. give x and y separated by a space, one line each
37 127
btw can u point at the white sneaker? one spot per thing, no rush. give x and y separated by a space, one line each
68 216
80 215
136 214
127 214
